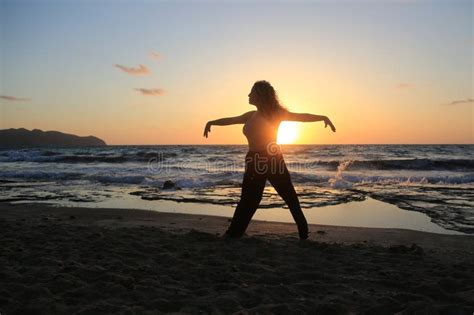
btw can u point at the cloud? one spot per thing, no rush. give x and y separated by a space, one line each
14 98
404 85
459 102
155 55
151 92
141 70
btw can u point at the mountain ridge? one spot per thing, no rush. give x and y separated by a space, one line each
22 137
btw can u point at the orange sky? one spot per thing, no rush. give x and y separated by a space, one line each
389 72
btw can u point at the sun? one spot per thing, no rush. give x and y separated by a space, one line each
287 132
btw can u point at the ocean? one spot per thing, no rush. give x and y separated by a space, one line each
436 180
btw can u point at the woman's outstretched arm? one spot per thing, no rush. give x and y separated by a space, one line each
227 121
289 116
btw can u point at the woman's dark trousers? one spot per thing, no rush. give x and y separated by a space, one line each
260 166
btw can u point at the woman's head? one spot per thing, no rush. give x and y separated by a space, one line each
264 97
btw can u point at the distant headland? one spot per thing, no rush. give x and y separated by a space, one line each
17 138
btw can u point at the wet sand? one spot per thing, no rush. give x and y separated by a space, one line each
89 261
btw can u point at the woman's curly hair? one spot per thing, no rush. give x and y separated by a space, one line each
269 103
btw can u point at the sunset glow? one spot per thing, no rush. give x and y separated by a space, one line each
159 79
287 132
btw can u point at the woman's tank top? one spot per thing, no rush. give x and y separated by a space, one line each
260 132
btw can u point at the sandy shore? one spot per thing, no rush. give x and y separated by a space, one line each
89 261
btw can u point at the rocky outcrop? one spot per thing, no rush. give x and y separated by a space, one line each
15 138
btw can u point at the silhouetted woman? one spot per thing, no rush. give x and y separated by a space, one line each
264 159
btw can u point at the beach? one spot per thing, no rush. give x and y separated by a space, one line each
90 260
138 139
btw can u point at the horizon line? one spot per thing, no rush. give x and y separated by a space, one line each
290 144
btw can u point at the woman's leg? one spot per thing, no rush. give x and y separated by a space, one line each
281 181
252 190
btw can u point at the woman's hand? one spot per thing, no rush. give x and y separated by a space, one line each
207 129
327 122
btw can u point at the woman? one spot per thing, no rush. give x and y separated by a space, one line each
264 159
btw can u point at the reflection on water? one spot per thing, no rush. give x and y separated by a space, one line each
368 213
434 180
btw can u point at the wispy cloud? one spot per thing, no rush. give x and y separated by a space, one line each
14 98
155 55
151 92
404 85
140 70
459 102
